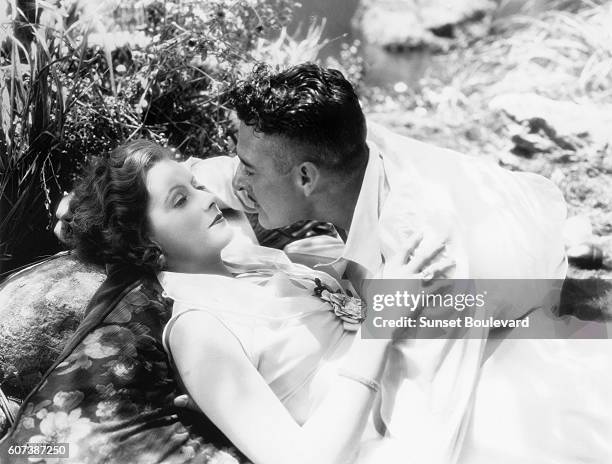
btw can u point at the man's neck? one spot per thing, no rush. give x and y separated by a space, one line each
338 203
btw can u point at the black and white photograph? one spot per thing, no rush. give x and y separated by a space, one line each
306 232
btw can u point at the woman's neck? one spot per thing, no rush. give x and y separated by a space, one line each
214 267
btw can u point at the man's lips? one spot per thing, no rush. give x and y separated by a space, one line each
218 218
247 199
250 197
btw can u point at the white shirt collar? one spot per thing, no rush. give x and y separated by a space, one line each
363 242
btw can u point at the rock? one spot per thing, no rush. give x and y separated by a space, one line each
40 308
405 24
567 124
526 143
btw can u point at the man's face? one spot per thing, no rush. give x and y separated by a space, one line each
278 198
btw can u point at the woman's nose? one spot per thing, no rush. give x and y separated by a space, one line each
207 199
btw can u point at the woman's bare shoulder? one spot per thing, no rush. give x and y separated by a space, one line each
204 334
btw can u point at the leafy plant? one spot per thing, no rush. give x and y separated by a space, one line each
73 88
34 105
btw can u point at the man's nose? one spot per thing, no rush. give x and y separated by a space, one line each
238 182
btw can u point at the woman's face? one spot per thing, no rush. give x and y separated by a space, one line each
184 218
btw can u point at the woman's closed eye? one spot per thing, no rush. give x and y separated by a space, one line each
179 201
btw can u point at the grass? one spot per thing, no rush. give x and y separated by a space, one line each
576 45
561 54
290 49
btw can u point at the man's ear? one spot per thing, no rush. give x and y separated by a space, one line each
307 177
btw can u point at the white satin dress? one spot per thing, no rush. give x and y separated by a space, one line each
292 337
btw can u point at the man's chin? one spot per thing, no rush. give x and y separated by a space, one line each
268 224
265 224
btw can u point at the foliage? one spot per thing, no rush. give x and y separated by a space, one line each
73 86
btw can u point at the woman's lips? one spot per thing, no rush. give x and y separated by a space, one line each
218 218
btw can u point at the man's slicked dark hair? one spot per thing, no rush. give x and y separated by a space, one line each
309 104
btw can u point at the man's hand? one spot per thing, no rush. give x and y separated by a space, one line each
185 401
420 259
63 215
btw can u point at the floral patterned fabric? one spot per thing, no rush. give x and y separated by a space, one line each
110 395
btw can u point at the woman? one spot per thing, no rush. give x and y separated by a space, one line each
254 349
110 394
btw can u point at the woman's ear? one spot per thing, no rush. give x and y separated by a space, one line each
307 177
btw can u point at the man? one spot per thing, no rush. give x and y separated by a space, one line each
302 153
305 151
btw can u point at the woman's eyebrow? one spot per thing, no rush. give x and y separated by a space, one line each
196 183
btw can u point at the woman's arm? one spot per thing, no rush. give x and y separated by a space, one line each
230 391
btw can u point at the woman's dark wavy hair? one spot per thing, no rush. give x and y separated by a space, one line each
109 223
307 103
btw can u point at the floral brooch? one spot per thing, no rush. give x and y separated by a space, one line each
350 309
